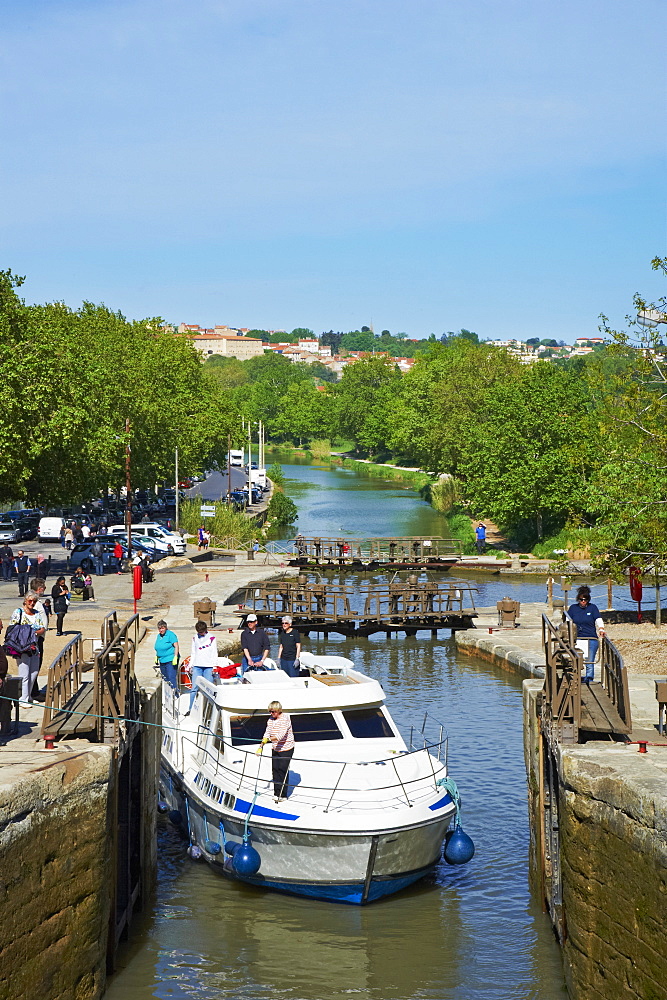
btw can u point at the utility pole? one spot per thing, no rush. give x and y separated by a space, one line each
128 489
176 474
249 462
229 470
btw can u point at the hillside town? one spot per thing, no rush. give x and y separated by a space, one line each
238 342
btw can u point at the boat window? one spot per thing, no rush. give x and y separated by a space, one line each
247 729
367 723
316 726
207 713
219 739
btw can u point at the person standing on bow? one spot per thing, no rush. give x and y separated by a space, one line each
203 658
590 629
289 650
280 734
255 645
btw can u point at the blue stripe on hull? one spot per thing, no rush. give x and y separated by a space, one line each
350 893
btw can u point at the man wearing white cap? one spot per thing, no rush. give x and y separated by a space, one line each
254 643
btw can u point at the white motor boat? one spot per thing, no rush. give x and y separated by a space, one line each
366 810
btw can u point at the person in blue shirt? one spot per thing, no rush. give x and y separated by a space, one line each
586 617
166 652
480 532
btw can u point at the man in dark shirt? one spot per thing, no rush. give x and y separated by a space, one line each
254 643
7 559
22 565
290 648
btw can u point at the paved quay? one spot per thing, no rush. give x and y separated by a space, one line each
177 585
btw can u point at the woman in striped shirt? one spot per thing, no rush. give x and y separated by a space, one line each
279 733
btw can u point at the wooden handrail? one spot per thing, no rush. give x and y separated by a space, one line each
562 682
63 679
615 680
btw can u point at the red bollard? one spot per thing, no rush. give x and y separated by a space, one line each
49 740
137 583
642 746
206 577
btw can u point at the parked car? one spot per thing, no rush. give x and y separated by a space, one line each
158 531
28 527
9 532
81 554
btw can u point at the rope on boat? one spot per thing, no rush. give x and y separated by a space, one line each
450 786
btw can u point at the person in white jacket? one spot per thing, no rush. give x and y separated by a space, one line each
203 658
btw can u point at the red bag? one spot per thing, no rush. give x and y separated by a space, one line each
227 672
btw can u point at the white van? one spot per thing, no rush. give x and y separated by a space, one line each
49 529
236 456
258 477
156 531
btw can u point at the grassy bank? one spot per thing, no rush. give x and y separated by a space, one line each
417 480
460 528
227 523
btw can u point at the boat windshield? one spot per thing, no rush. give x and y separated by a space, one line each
313 726
367 723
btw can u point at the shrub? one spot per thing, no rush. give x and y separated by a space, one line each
282 510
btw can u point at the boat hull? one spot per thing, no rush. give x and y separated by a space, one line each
338 866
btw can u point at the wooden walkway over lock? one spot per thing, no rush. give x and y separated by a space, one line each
355 553
402 605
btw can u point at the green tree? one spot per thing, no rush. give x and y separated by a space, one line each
359 340
366 396
531 451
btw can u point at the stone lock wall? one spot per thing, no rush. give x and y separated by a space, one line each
613 854
55 874
614 860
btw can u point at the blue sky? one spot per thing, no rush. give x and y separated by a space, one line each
423 165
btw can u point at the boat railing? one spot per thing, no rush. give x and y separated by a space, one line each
248 779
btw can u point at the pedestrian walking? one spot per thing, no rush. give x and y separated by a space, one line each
69 538
60 598
43 567
43 604
27 659
97 552
85 531
255 645
289 650
480 535
203 657
201 531
22 565
62 535
279 733
7 561
118 558
167 652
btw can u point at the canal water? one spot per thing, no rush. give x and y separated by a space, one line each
470 933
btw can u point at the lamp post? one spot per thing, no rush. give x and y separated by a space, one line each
128 489
176 474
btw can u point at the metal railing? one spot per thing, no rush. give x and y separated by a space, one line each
249 777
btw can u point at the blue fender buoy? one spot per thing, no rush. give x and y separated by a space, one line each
176 817
194 852
162 806
459 848
231 847
212 847
246 860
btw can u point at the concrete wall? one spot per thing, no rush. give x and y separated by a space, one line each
613 834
